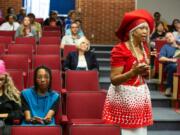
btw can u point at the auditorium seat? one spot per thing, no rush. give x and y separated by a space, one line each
47 49
5 33
17 62
2 48
39 20
176 85
25 40
85 107
51 28
94 129
18 78
6 40
22 49
76 80
49 40
36 130
158 45
68 49
51 34
158 65
51 61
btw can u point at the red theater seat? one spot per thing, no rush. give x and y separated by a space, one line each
81 80
49 40
85 107
94 129
18 78
36 130
51 61
25 40
68 49
47 49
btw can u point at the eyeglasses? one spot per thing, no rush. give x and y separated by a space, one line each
74 27
43 77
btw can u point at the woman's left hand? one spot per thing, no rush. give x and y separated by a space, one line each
47 119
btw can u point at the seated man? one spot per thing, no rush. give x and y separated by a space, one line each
35 25
80 31
40 102
170 62
10 24
71 39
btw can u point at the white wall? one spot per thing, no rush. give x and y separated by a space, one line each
169 9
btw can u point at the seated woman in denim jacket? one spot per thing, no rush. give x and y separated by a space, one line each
40 103
82 59
9 98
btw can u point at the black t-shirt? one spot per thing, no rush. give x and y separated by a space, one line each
12 108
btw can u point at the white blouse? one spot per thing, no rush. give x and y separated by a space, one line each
82 64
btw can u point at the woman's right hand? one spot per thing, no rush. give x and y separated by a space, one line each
140 68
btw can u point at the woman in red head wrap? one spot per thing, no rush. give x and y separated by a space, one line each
128 101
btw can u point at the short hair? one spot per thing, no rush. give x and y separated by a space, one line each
31 15
35 76
77 20
10 15
53 12
71 12
73 23
157 13
82 39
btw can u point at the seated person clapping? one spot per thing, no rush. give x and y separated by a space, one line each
40 102
9 98
82 59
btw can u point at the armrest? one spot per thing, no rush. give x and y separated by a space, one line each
64 120
63 91
16 121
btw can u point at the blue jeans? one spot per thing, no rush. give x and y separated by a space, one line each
170 69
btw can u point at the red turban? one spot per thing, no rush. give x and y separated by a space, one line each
133 19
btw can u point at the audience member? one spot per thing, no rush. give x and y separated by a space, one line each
82 59
80 31
35 25
10 101
167 58
11 11
159 33
21 15
10 24
54 18
25 29
177 33
71 39
157 19
71 18
174 25
40 102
